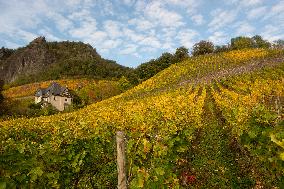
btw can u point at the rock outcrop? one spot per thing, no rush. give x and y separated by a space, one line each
41 60
25 61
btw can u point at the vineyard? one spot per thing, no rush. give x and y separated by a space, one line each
19 101
212 121
90 87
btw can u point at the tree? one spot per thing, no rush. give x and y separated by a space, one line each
202 47
221 48
165 60
2 109
279 44
151 68
259 42
1 89
242 43
123 84
181 54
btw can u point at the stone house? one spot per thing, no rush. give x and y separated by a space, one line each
56 95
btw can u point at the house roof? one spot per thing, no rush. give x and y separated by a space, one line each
53 89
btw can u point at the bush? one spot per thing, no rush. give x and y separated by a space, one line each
241 43
221 48
259 42
180 54
278 44
151 68
1 89
202 47
123 84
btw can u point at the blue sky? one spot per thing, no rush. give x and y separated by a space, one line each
134 31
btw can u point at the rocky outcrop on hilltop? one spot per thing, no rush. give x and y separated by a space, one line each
42 60
24 61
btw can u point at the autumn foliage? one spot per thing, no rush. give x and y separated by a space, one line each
169 120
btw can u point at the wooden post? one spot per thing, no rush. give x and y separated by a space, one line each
121 160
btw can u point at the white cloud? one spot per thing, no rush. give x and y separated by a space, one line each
256 12
110 44
20 16
221 18
168 33
141 24
276 13
27 36
73 3
191 6
11 44
62 23
81 15
197 19
148 49
140 6
107 7
244 3
85 30
98 36
48 34
132 35
187 37
272 33
168 46
113 28
128 2
129 49
218 37
244 28
150 41
278 8
157 13
251 2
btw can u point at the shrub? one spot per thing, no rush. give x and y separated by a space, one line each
203 47
259 42
242 42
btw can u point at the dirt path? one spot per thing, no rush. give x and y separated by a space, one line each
213 160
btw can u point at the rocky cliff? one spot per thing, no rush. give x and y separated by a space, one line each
42 60
25 61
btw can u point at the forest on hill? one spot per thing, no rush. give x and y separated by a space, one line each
211 120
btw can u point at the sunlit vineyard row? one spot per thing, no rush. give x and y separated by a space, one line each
252 106
77 150
238 108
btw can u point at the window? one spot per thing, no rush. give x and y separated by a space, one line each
54 98
65 99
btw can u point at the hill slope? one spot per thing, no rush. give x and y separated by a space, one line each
19 100
41 60
210 121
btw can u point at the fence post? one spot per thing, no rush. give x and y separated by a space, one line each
121 160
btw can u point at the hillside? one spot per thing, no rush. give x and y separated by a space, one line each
212 121
19 100
42 60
